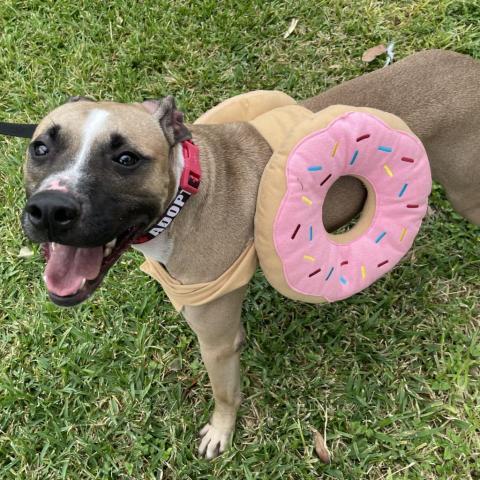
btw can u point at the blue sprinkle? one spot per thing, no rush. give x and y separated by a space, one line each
310 233
315 168
355 154
402 191
385 149
380 237
329 274
343 280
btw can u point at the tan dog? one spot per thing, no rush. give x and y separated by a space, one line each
98 174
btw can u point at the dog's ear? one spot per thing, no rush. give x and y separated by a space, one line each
79 98
169 118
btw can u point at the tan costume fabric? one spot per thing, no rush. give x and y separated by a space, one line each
238 275
282 123
245 107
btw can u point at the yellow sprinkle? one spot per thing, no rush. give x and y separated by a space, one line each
309 258
364 272
306 200
387 169
334 151
404 231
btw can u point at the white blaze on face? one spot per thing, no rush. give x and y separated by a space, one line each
73 174
93 125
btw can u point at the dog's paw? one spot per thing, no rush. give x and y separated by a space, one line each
214 441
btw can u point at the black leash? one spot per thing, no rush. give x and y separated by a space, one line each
24 130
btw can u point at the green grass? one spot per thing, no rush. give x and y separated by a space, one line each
115 388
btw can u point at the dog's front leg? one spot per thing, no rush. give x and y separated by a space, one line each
220 334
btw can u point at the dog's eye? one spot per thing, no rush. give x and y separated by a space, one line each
127 159
40 149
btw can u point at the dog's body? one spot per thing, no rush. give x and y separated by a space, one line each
435 92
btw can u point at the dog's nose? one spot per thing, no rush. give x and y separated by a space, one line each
52 211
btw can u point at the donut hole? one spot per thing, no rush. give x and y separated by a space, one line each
349 225
348 209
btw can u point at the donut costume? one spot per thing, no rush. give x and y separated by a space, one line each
310 152
394 167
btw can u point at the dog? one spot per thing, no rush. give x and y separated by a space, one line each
99 174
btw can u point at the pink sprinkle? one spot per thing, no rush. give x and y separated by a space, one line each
295 232
315 272
363 137
325 179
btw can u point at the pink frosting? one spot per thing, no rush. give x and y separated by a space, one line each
394 163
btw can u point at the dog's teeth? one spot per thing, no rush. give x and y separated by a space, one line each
83 283
52 246
112 243
107 250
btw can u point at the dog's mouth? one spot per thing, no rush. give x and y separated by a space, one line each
72 274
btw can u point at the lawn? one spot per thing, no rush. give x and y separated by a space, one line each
115 388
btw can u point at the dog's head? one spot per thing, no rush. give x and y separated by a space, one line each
97 175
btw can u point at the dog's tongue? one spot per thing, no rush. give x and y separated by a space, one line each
68 266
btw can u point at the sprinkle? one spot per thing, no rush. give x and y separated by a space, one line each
364 272
315 168
402 235
407 159
318 270
329 175
345 262
334 151
294 234
377 240
385 149
382 263
306 200
412 206
387 169
402 191
329 274
310 233
363 137
309 258
343 280
354 157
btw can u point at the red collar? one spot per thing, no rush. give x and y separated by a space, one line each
189 185
192 172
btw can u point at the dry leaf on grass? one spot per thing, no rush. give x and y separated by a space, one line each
321 447
291 28
372 53
175 364
25 252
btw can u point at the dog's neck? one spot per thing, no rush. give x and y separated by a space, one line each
160 247
220 216
232 158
